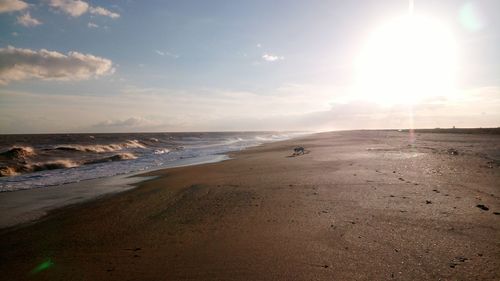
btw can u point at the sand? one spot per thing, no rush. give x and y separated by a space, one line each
361 205
29 205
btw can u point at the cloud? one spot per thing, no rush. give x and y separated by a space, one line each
358 114
74 8
168 54
103 12
272 58
21 64
92 25
289 107
133 121
12 5
27 20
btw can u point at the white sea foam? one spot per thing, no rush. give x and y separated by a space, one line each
161 151
116 157
102 148
51 165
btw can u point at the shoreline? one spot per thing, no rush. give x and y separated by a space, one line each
32 205
358 206
28 206
29 161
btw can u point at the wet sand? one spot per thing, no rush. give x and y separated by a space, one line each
361 205
28 205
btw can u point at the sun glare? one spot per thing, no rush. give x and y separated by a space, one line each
407 60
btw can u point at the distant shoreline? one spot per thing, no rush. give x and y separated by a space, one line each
492 131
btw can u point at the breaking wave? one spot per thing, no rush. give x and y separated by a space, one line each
51 165
101 148
23 167
8 172
18 152
117 157
90 148
14 170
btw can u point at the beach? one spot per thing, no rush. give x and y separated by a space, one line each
357 205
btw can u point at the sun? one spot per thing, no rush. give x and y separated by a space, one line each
407 60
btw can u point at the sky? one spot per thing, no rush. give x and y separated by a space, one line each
137 66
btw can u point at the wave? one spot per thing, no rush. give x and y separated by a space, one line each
90 148
51 165
8 172
117 157
22 168
269 138
134 144
19 152
14 170
101 148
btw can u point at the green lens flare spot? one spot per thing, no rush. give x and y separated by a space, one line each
43 266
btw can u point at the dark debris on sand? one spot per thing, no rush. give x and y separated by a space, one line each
457 260
482 207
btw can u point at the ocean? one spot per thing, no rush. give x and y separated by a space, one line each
33 161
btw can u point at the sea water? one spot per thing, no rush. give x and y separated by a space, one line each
33 161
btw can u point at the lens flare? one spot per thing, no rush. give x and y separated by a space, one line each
471 18
42 266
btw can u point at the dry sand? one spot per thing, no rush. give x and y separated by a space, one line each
362 205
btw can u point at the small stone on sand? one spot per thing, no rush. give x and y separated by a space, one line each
482 207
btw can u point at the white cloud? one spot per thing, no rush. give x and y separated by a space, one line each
21 64
12 5
168 54
74 8
259 45
92 25
131 122
27 20
271 58
103 12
